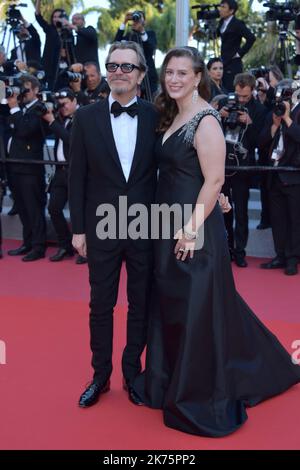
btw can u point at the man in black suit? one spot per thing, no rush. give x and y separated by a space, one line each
30 44
28 180
232 31
61 128
147 40
281 137
112 157
86 42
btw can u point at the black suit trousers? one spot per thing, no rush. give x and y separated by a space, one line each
104 275
57 202
231 69
285 218
30 197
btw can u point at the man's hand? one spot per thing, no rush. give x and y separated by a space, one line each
128 17
244 118
224 113
21 66
79 243
77 67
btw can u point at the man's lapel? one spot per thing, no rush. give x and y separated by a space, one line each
102 117
140 137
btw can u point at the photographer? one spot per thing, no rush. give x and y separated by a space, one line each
232 31
60 126
30 43
242 122
27 180
297 33
146 39
281 138
88 84
86 46
57 39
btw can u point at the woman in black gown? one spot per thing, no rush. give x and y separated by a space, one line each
208 355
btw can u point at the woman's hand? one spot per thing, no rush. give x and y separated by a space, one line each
224 203
183 246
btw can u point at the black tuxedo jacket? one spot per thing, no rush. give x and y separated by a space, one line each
291 140
28 135
232 38
32 46
96 175
63 133
86 48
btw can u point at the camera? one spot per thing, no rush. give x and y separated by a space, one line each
62 16
260 72
207 11
233 107
282 12
72 76
13 85
285 92
136 16
46 103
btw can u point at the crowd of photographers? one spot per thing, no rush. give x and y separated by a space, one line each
260 114
39 96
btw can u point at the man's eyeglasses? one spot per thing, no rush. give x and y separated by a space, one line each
126 68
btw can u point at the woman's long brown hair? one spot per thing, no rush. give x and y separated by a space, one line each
167 106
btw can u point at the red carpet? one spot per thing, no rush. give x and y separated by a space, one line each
44 324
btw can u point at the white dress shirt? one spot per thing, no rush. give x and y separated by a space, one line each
124 129
225 24
60 146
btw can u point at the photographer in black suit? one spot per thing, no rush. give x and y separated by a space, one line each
241 141
60 126
57 48
28 180
147 40
86 42
281 138
112 156
30 44
232 31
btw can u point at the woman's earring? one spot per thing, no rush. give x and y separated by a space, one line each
195 95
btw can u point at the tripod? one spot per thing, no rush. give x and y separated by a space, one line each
134 36
281 50
10 34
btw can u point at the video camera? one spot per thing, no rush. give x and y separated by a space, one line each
233 107
62 16
207 11
14 17
282 12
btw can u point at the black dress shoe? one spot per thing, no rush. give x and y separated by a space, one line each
275 263
81 260
61 254
13 210
263 226
91 395
240 261
33 255
291 269
22 250
132 395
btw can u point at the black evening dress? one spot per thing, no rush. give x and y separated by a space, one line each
208 355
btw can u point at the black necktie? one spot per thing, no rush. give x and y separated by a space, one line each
117 109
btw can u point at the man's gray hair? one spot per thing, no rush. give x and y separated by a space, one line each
133 46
